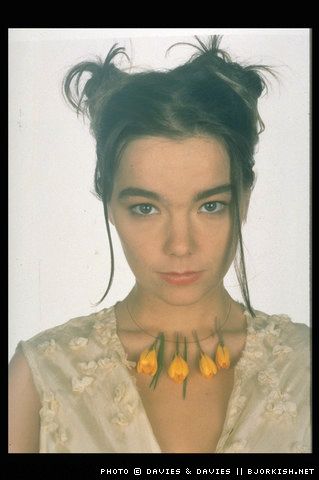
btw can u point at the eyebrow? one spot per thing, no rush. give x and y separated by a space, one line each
141 192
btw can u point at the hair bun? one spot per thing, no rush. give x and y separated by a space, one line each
248 82
85 96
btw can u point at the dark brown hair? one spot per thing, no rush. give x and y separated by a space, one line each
208 95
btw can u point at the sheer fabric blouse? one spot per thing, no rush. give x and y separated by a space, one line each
90 403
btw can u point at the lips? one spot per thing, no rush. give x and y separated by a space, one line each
180 278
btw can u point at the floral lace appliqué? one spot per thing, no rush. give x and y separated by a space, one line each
252 356
107 364
49 421
121 356
81 384
272 334
87 368
99 326
48 412
47 347
280 350
268 377
105 334
78 342
279 405
237 406
126 404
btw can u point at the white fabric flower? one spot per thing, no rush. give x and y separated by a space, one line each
268 377
120 393
107 363
121 356
279 350
88 368
98 325
121 419
81 384
272 329
247 367
48 412
78 342
278 404
106 336
126 404
61 436
47 347
254 354
49 420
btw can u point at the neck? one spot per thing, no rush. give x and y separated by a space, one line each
154 315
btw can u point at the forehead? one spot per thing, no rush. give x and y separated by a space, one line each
169 165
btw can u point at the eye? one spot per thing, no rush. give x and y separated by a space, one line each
144 209
212 207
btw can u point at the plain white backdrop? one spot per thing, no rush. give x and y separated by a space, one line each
58 250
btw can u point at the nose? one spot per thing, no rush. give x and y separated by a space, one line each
179 236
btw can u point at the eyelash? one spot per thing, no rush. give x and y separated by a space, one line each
135 212
221 204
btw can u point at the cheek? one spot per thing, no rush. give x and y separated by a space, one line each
215 236
139 243
139 248
215 249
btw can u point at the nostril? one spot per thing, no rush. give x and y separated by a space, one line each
179 246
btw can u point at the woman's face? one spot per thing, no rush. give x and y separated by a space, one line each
171 208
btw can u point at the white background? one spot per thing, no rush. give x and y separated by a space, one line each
58 258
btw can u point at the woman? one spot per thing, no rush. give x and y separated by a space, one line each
178 365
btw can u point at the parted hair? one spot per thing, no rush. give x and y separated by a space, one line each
208 95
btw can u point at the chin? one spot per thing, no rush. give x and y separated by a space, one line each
183 297
181 302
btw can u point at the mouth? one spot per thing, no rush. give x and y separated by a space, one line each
180 278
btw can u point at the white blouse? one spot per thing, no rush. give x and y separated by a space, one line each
90 403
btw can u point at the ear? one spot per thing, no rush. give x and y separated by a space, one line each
110 214
245 204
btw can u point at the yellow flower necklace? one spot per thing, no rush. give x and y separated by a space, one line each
151 360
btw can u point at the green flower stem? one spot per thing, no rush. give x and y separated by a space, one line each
185 358
160 360
177 344
197 341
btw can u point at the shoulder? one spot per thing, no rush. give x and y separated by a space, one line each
19 369
282 338
282 329
54 353
75 332
23 415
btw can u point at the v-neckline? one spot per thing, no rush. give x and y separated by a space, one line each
232 397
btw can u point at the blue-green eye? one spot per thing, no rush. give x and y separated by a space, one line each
143 209
212 207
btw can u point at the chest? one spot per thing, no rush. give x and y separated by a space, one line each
193 424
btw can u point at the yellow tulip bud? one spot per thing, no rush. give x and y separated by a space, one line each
222 356
178 369
207 366
147 362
